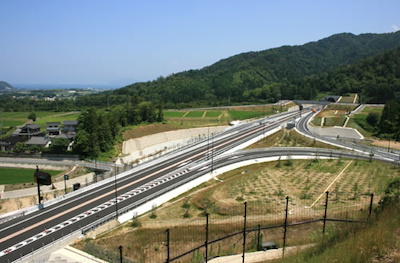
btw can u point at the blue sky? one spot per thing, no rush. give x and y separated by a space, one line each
123 41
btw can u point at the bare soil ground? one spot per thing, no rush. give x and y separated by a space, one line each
141 131
387 144
288 138
14 204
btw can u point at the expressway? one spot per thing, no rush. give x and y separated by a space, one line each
23 235
380 153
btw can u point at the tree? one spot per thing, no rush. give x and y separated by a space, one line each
19 147
372 118
59 145
32 116
390 120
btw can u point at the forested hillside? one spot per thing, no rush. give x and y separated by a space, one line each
264 76
375 79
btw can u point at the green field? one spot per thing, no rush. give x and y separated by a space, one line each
18 118
195 114
11 123
56 117
367 110
213 114
242 115
19 176
173 114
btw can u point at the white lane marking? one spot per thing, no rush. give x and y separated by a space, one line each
92 211
203 168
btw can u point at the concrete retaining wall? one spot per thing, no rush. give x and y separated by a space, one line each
143 147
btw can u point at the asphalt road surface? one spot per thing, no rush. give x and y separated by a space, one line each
25 234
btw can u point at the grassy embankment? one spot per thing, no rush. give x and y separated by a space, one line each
359 121
264 187
377 241
289 138
175 119
350 98
333 115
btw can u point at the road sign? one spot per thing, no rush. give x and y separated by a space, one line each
66 177
76 186
42 178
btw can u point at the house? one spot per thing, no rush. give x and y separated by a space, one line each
53 128
39 141
69 137
7 144
70 126
27 131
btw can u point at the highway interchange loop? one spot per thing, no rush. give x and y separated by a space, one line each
22 236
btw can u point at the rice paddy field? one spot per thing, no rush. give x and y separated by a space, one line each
221 116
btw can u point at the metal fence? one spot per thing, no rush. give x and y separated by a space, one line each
242 229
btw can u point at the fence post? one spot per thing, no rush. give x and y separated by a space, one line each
120 254
259 238
285 226
370 206
168 255
244 231
206 243
326 211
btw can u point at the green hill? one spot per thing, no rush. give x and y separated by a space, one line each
5 86
264 76
375 79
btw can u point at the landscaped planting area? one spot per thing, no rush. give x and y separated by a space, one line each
350 98
332 115
264 187
208 117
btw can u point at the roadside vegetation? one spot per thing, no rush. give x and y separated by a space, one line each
289 138
264 188
350 98
332 115
377 241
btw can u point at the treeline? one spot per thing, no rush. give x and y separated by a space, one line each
375 79
105 100
99 129
264 76
389 124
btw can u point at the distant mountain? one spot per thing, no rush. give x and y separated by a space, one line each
266 75
5 86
